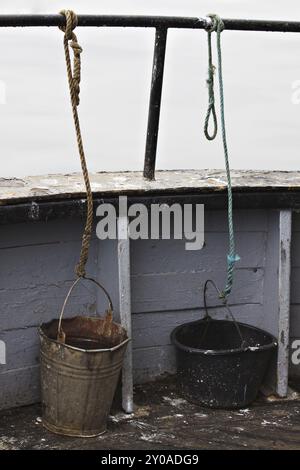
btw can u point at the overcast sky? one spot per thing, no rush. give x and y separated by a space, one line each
260 71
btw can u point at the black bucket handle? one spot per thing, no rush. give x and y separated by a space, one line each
60 333
207 317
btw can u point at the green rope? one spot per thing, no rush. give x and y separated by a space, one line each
217 25
211 110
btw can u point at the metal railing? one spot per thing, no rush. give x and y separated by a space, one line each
161 24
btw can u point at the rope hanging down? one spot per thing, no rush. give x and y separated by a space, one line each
217 25
211 110
74 86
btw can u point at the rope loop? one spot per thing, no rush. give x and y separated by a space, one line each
74 76
211 110
216 25
70 25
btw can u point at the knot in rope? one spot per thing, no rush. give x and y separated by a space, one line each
71 23
75 74
74 81
217 25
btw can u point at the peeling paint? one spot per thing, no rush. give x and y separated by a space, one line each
34 211
175 401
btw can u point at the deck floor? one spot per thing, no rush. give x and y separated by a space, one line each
163 420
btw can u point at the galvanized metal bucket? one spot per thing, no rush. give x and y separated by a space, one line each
81 359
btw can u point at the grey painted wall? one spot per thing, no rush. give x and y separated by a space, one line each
37 262
295 290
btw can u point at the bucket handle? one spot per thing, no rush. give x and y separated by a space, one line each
244 343
60 333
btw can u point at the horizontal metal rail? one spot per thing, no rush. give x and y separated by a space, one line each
149 22
161 24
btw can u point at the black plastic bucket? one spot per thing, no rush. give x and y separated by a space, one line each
221 363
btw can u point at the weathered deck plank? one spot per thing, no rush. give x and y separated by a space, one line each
53 187
163 420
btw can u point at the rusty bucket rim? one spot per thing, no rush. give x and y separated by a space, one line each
114 348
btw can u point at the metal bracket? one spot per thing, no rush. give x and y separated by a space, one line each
125 310
284 277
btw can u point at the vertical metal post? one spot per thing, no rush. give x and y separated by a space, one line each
155 101
125 310
285 230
